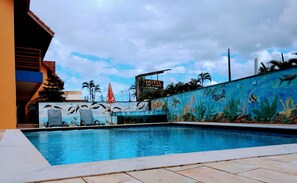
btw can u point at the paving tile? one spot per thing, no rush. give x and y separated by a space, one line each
260 162
269 176
111 178
160 175
293 162
289 168
271 165
231 166
209 175
283 158
76 180
185 167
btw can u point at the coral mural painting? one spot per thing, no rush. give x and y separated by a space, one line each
267 98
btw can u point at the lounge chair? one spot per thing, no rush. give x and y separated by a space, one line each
86 117
54 118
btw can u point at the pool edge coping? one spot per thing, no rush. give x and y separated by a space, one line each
47 172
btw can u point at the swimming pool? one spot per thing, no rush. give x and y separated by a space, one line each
77 146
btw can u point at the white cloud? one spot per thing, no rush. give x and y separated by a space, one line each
178 70
188 37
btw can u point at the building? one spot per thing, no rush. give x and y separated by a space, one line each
73 96
48 70
24 43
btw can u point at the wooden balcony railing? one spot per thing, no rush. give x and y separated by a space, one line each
27 59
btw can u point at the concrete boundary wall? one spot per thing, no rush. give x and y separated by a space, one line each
268 98
101 110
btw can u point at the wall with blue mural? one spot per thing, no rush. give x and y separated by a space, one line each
101 111
269 97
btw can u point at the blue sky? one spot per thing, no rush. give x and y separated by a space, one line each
112 41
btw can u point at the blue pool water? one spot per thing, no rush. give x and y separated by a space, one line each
77 146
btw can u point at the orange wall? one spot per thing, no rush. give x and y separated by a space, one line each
7 66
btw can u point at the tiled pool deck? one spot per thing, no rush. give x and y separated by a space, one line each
21 162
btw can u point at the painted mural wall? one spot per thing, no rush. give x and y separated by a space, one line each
270 97
101 111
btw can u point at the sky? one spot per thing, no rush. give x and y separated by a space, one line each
112 41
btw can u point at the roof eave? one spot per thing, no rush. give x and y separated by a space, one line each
41 23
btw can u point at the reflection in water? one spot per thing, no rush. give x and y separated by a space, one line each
55 150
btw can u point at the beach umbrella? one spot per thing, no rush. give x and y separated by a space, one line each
110 98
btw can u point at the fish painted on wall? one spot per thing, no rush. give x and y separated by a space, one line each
52 107
76 107
209 91
106 108
95 105
252 97
103 106
84 106
219 97
117 108
140 105
287 78
73 109
175 102
47 106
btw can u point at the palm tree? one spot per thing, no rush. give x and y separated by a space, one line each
194 84
96 89
204 76
284 64
89 85
186 87
93 89
179 87
170 89
264 69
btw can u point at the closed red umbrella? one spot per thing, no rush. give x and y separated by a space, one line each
110 99
110 95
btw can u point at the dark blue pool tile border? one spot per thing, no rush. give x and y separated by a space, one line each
272 129
245 127
94 127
